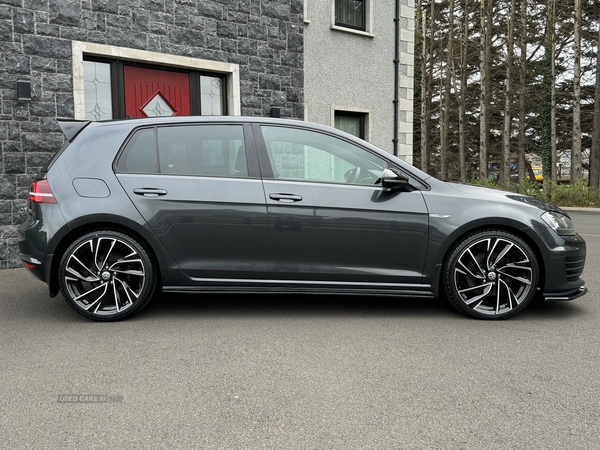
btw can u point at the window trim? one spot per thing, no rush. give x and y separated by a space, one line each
367 32
351 110
249 146
231 72
267 170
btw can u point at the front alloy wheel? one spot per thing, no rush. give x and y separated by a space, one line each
106 275
491 274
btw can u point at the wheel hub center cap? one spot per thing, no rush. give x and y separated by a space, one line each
105 276
491 276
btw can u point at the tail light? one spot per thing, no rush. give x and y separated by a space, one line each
40 192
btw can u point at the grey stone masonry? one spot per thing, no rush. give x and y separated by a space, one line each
264 37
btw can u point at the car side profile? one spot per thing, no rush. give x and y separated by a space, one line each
246 204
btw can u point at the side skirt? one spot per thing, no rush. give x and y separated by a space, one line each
303 287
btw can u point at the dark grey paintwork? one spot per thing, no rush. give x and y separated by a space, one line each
351 234
243 234
212 227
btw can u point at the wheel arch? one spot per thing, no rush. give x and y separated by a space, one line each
86 225
515 228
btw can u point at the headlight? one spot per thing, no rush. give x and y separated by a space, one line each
559 223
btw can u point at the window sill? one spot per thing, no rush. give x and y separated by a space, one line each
350 30
306 21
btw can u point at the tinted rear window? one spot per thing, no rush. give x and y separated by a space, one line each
140 154
201 150
53 158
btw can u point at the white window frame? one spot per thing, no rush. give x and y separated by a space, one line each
368 21
305 12
231 71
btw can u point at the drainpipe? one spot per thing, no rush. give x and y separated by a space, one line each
396 74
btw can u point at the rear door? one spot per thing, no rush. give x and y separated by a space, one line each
198 188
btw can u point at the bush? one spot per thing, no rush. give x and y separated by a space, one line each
579 194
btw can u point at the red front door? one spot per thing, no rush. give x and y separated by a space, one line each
154 92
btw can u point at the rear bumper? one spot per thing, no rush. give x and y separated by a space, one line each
32 247
36 236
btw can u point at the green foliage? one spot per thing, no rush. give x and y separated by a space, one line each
546 34
579 194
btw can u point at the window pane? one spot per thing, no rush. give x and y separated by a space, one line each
350 13
203 150
140 154
350 124
158 107
305 155
97 91
211 96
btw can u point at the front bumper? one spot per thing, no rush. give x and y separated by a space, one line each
563 259
567 295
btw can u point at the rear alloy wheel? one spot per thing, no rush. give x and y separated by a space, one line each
106 275
491 274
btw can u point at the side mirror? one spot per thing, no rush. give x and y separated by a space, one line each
393 180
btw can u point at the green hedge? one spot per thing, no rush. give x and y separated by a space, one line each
579 194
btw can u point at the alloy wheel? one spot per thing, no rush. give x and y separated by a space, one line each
492 275
105 275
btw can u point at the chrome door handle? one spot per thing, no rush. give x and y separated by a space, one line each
286 198
149 192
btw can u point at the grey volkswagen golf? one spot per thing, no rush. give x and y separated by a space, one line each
236 204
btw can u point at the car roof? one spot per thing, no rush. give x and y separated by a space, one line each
202 119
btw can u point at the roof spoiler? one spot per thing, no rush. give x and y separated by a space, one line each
71 128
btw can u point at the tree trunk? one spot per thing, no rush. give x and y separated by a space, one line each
462 98
485 83
595 153
548 96
445 98
576 166
505 168
530 171
553 140
426 88
523 92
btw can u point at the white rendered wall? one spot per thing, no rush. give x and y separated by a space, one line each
354 71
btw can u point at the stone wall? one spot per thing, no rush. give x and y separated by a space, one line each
265 37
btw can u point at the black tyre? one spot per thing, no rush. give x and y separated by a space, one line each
107 275
490 274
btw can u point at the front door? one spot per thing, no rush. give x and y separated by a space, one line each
156 92
329 217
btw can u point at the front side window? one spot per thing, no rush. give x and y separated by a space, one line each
351 14
303 155
200 150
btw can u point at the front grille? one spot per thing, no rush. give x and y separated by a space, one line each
574 267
